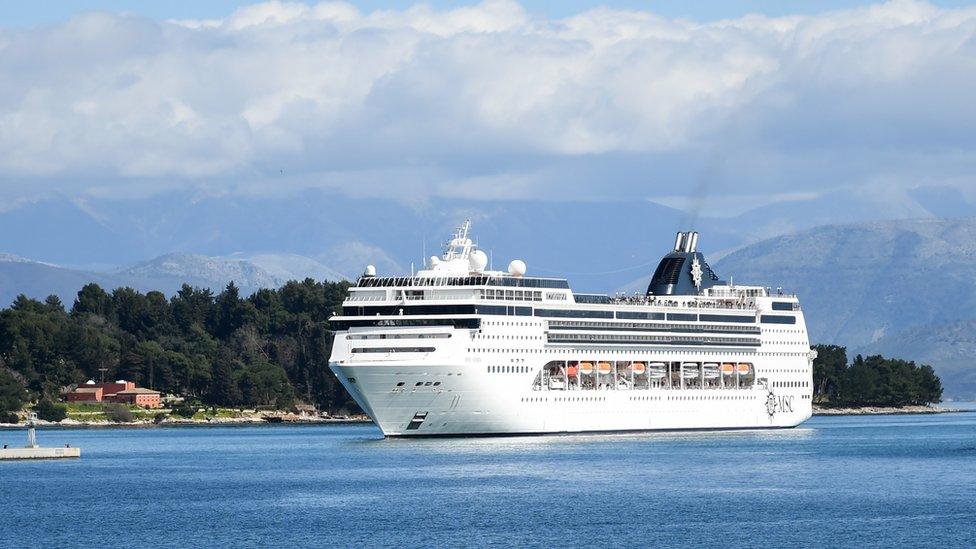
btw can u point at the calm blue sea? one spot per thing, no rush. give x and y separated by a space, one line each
898 481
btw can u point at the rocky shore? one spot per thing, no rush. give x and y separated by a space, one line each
880 410
261 418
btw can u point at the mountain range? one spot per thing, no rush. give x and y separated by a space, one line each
903 286
165 273
602 245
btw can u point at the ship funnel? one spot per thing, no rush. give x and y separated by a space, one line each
692 242
679 241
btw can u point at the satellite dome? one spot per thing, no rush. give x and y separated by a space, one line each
370 271
434 261
516 268
477 261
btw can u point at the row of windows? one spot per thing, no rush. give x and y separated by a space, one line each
512 295
723 396
641 327
421 384
521 282
600 299
566 399
460 323
777 319
508 369
398 336
393 350
406 281
514 337
393 310
791 384
609 339
571 313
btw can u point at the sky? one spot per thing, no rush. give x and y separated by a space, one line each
753 102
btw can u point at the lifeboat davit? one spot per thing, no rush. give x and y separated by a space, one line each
586 368
728 368
638 368
604 368
744 368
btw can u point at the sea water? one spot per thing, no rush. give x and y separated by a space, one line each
892 481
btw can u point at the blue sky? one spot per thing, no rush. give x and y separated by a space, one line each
20 13
667 101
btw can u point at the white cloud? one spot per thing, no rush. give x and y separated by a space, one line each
490 97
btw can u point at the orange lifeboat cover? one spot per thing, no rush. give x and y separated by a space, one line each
638 367
604 367
728 368
744 367
586 368
571 371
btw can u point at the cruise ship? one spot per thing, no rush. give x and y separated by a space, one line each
458 349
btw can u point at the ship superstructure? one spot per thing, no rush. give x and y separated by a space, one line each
459 349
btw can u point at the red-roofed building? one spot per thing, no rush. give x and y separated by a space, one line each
145 398
122 391
85 394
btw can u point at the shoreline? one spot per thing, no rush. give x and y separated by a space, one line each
293 419
882 410
143 423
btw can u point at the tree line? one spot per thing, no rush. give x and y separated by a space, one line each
267 349
871 381
272 348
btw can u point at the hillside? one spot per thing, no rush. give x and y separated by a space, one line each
166 273
901 288
600 244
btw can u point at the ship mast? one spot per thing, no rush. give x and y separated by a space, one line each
460 245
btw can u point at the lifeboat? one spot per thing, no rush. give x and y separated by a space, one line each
728 368
638 368
571 371
604 368
657 370
710 370
744 368
690 370
586 368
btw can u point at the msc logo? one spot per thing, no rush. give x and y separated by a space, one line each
776 404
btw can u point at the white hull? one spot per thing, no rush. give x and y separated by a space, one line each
469 405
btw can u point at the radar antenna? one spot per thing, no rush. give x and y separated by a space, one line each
460 245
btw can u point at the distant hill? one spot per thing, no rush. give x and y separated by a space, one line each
599 244
39 280
166 273
951 347
900 288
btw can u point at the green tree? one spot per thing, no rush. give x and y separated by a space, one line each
49 411
828 370
264 384
191 307
13 395
93 300
223 387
